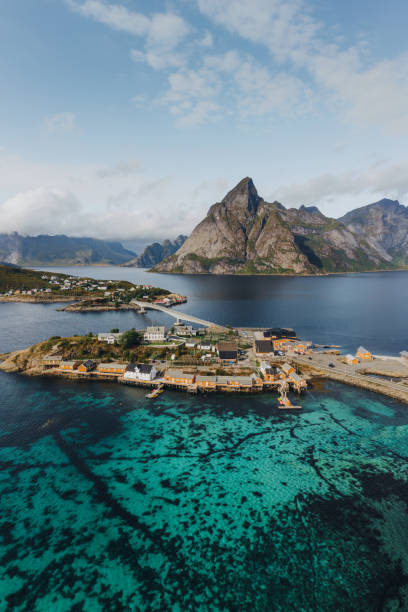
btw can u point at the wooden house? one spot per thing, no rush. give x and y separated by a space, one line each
228 352
52 360
263 347
235 382
207 382
87 366
363 353
269 373
179 378
287 369
112 368
68 365
140 371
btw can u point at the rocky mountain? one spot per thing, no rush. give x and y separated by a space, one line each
156 252
60 250
243 234
384 225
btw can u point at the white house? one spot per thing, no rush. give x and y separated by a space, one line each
109 338
140 371
153 334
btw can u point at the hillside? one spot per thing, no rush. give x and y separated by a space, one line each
156 252
384 225
60 250
13 277
243 234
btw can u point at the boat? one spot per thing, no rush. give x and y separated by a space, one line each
155 393
285 403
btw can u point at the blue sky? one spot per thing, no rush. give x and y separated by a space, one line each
128 119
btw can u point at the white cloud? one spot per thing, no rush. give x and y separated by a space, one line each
60 123
233 83
363 92
114 15
283 26
162 32
207 40
308 62
123 201
336 194
33 212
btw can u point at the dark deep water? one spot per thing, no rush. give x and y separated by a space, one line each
109 502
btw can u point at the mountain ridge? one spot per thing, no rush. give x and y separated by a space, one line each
60 249
154 253
244 234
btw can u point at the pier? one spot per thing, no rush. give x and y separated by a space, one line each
349 376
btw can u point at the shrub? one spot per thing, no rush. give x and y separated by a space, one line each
129 338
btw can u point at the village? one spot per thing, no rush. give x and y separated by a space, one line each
203 360
193 355
86 294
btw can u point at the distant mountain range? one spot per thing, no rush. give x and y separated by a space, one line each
156 252
384 225
60 250
243 234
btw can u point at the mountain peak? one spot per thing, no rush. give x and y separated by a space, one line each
243 198
310 209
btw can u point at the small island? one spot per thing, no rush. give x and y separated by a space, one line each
209 359
84 294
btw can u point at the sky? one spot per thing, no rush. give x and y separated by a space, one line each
128 119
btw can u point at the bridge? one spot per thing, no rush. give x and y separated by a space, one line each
176 314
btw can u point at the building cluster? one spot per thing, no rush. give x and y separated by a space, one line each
180 378
171 300
279 341
284 373
362 354
72 283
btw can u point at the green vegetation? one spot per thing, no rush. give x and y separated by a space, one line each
129 338
13 277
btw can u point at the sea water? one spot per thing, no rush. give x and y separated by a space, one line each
110 501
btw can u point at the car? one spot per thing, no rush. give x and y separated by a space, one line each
331 365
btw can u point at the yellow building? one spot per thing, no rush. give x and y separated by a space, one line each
363 353
206 382
52 360
287 369
87 366
178 377
68 365
112 368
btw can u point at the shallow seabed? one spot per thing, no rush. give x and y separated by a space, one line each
109 502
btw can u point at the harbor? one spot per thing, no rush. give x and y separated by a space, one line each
213 359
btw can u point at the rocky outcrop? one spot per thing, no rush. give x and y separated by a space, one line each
243 234
156 252
384 225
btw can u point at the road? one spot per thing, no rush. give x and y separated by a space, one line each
346 374
176 314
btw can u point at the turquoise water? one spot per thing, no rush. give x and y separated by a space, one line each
109 502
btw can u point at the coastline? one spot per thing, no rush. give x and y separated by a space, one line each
277 274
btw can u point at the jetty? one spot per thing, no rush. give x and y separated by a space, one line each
350 376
